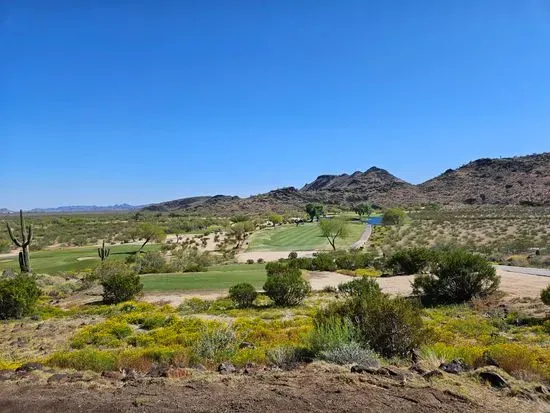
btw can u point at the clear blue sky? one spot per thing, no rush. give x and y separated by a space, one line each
144 101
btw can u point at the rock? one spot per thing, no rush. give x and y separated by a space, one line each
454 367
364 369
129 375
29 367
432 374
226 368
158 371
418 369
58 378
494 379
246 344
542 390
199 367
113 375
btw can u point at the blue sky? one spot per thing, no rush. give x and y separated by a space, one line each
145 101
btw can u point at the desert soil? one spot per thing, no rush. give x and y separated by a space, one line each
308 389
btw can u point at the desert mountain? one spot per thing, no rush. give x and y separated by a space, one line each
523 180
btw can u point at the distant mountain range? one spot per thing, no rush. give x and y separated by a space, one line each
80 208
522 180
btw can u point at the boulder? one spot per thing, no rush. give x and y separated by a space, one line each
29 367
494 379
226 368
58 378
454 367
113 375
432 374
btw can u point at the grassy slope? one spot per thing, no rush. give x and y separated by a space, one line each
219 277
299 238
66 259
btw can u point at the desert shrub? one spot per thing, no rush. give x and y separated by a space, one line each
272 268
352 260
18 296
260 261
250 261
293 255
360 287
324 262
120 282
389 326
86 359
243 294
367 272
350 353
284 357
215 342
411 260
190 260
459 277
330 333
5 246
151 262
287 287
545 295
194 305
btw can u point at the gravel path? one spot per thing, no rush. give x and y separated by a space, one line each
541 272
364 238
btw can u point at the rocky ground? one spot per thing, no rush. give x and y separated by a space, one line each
312 388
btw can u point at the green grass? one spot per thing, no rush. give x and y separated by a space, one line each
66 259
300 238
220 277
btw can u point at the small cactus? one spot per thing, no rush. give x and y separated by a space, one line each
23 243
103 252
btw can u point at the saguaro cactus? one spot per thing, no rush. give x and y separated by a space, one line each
103 252
23 243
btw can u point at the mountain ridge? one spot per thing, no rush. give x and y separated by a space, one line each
519 180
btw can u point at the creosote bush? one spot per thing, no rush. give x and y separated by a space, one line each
459 277
18 296
411 260
120 282
286 286
243 294
363 286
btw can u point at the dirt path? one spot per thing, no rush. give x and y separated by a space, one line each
514 284
268 256
364 238
309 389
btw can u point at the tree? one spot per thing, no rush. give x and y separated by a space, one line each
240 231
411 260
276 219
315 211
148 232
332 229
23 243
458 277
394 216
362 209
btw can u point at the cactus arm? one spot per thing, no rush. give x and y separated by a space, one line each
29 234
15 240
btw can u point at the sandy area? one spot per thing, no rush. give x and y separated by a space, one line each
512 283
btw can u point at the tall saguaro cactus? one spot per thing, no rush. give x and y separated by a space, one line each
23 243
103 252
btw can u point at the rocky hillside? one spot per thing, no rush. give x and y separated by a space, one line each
521 180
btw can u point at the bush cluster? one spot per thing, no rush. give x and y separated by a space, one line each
243 294
411 260
458 277
332 261
285 285
120 282
18 296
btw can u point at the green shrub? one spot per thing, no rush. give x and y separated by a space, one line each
411 260
293 255
363 286
151 262
190 260
215 343
243 294
18 296
459 277
331 333
120 283
350 353
389 326
324 262
87 359
287 287
194 305
545 295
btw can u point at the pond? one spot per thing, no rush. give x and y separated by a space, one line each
375 220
